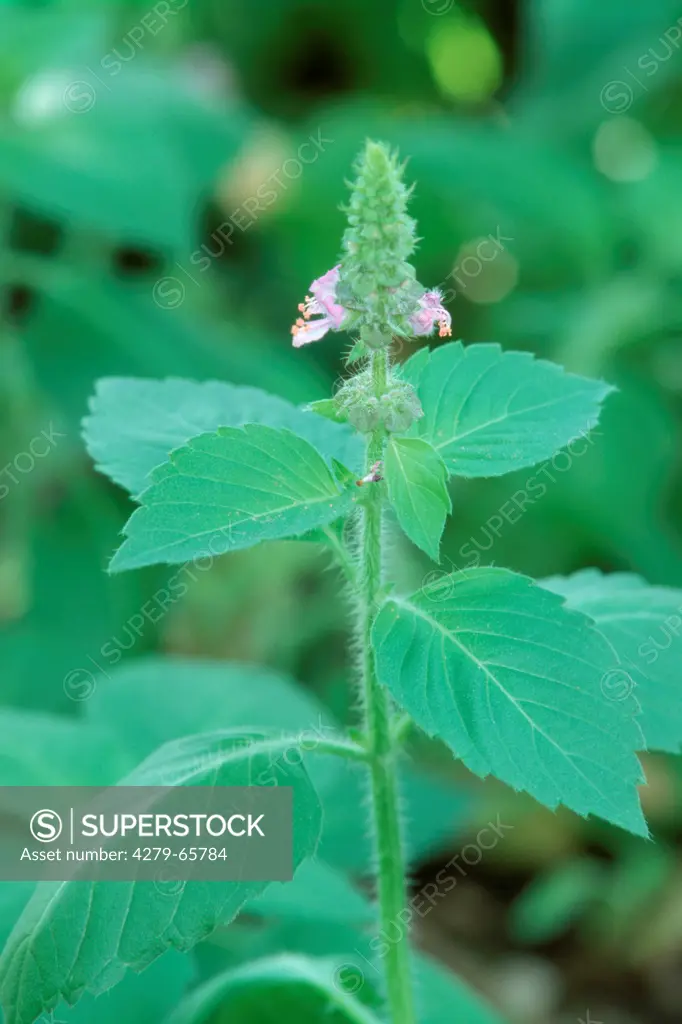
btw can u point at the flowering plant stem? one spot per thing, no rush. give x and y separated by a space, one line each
380 744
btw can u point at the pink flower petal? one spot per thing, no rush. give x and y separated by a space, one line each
431 314
323 303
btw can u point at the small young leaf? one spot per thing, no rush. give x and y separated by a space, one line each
358 352
134 424
644 625
343 474
328 409
511 680
416 478
230 490
489 412
79 936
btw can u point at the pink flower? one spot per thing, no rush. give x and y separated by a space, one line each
432 313
323 301
331 314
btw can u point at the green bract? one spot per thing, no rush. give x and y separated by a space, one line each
377 284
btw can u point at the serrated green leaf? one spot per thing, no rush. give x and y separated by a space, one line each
230 490
280 988
413 367
489 412
511 680
134 424
81 936
416 478
643 623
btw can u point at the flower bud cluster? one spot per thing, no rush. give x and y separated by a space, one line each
395 410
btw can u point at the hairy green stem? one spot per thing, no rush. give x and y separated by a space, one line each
391 886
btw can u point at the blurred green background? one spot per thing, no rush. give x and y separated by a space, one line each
170 182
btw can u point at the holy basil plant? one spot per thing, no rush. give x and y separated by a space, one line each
536 683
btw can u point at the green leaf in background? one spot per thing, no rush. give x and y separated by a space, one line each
281 988
230 490
40 749
644 624
636 885
443 998
144 704
116 159
436 810
555 899
138 999
511 680
114 328
13 898
134 424
416 478
317 893
489 412
616 492
72 610
150 701
81 936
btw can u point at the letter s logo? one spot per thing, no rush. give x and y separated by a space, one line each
46 826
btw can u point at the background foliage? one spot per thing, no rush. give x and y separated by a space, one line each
170 182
